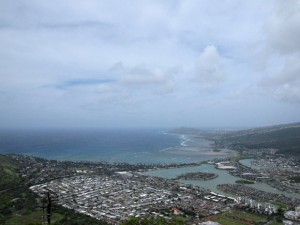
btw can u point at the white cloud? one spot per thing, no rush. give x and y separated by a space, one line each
285 86
142 76
208 69
283 52
168 51
283 27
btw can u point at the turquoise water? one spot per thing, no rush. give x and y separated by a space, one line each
223 178
111 145
122 145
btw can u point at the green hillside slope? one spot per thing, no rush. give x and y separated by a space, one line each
9 176
286 138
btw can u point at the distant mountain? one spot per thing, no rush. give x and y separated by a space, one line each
284 137
265 129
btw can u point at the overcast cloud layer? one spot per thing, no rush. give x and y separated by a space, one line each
149 63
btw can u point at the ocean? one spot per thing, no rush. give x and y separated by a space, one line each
110 145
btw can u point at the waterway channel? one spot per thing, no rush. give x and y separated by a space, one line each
223 178
247 162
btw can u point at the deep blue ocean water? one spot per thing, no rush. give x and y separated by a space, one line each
112 145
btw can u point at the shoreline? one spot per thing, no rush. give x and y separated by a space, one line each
196 151
155 148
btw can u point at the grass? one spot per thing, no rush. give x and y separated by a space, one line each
7 162
9 175
237 218
17 205
276 223
181 218
226 221
280 205
34 217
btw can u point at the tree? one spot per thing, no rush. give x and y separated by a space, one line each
152 221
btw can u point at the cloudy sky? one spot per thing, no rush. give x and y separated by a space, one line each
142 63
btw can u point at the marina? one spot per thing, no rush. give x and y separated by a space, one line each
223 178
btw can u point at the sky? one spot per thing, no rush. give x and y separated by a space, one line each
142 63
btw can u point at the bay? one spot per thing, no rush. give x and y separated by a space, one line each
111 145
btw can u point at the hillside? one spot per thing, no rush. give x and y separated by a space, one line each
20 206
284 137
9 176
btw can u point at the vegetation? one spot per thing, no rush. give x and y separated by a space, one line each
14 197
280 205
276 223
197 176
9 176
153 221
286 138
295 179
279 215
244 182
30 218
238 218
20 206
70 217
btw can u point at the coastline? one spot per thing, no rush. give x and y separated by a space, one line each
113 146
196 151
